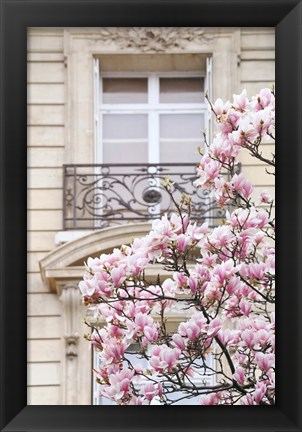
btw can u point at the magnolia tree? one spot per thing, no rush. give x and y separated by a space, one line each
222 352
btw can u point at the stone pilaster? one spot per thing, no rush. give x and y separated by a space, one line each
71 329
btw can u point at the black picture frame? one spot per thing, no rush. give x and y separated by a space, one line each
16 16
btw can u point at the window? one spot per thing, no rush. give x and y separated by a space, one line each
132 355
135 358
150 116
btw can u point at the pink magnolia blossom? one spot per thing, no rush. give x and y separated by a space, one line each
265 197
182 242
207 171
118 276
247 129
197 232
178 341
210 399
220 107
233 115
245 307
263 337
241 101
151 333
234 285
247 337
221 236
224 271
164 357
265 361
151 390
181 279
262 121
259 392
248 218
256 270
113 351
214 327
242 185
189 329
215 284
239 375
263 100
169 286
193 283
86 287
119 385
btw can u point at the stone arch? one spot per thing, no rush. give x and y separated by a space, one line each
66 262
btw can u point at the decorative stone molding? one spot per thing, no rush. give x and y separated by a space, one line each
154 39
71 302
71 317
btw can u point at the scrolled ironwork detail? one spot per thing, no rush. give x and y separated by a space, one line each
97 196
152 196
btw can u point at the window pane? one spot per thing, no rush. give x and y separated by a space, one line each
125 126
181 125
179 151
125 152
181 90
125 90
180 136
125 138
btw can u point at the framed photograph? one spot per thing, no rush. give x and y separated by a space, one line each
109 111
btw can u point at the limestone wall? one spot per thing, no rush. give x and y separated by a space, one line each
46 108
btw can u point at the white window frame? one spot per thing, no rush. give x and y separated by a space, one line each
153 108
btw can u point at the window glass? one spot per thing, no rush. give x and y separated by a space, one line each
125 126
125 90
179 152
181 125
180 136
125 138
125 152
181 90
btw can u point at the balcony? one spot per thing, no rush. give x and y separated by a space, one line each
99 196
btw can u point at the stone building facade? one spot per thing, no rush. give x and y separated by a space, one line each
65 69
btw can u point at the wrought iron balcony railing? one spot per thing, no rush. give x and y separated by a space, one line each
98 196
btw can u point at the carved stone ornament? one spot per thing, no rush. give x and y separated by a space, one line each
71 346
155 39
71 300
